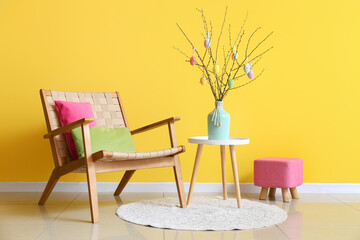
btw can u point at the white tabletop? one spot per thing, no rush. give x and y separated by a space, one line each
230 141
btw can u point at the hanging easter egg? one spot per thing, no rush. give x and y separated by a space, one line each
207 41
247 68
234 56
216 69
192 61
203 80
250 74
231 83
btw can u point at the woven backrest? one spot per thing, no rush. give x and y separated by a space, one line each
107 110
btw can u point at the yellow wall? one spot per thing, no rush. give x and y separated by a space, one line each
305 105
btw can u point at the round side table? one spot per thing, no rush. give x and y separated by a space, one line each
231 142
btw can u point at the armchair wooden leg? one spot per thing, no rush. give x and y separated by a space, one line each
49 187
92 188
125 179
91 175
179 182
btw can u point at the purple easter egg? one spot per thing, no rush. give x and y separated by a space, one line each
250 74
207 43
192 61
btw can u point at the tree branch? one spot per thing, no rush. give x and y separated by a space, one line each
247 46
203 65
181 52
217 46
249 81
261 42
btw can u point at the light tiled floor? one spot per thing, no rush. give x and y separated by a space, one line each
67 215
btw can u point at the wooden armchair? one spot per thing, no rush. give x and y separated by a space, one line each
109 112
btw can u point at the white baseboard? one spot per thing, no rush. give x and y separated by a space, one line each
171 187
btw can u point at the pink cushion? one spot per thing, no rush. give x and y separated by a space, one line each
278 172
69 112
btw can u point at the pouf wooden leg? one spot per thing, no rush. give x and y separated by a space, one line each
294 193
272 192
285 194
263 193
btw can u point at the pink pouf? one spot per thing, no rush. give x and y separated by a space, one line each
278 172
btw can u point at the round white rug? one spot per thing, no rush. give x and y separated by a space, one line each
202 214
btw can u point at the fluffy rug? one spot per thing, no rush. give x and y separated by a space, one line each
202 214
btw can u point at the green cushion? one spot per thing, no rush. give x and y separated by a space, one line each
103 138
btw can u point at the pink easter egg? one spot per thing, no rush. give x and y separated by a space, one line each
207 43
192 61
250 74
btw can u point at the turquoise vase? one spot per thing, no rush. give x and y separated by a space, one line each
218 123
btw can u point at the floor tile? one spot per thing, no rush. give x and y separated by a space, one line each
79 209
79 212
308 232
355 205
326 214
346 197
304 197
33 197
78 231
126 197
67 216
207 194
30 214
270 233
21 232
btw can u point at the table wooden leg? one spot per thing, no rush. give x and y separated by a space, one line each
223 169
235 172
196 166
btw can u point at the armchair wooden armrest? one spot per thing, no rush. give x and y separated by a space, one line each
68 127
155 125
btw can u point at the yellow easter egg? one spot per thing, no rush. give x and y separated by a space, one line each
203 80
216 69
